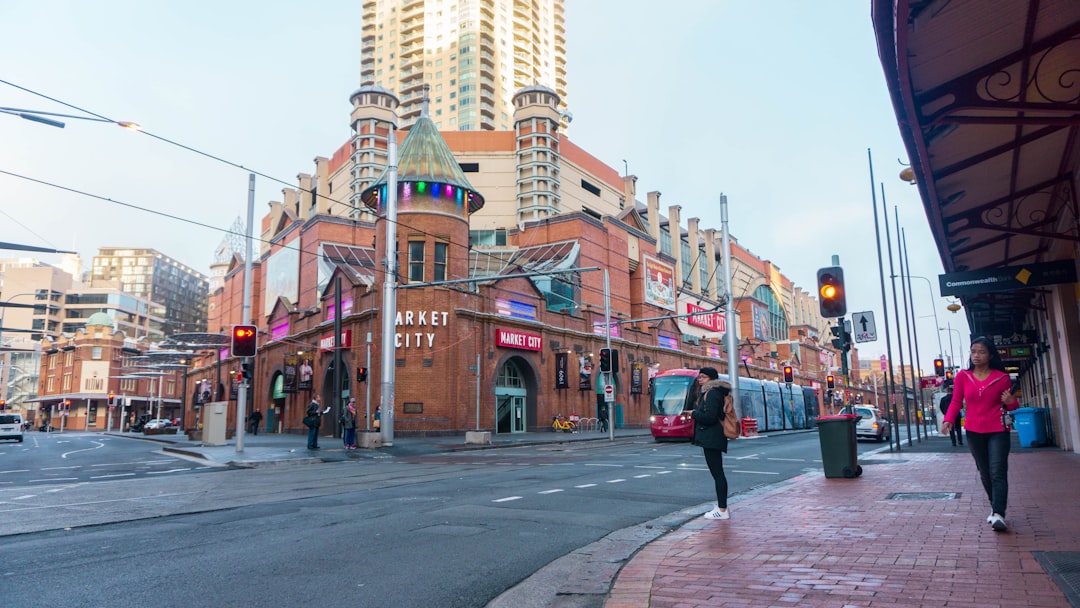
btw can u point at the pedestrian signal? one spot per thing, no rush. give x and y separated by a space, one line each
244 341
789 374
361 374
831 299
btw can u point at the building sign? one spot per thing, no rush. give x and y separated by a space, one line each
713 351
667 342
327 342
509 338
600 328
761 323
659 284
1010 278
422 319
95 376
712 321
513 308
562 379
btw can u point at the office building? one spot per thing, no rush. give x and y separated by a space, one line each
153 276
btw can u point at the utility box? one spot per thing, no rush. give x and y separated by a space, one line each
215 419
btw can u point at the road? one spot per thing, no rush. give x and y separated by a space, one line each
447 529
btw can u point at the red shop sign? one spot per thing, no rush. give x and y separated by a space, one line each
509 338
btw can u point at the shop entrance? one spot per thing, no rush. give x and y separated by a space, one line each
510 398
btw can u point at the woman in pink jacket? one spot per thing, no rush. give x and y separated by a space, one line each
986 390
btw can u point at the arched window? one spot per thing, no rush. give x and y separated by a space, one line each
778 325
510 376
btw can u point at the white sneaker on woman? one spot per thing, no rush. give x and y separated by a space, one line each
716 513
997 522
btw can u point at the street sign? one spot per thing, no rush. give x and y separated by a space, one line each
884 363
609 393
863 324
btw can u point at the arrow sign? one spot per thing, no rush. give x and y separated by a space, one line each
863 324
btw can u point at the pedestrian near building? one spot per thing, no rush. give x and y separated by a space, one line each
313 420
708 418
378 417
348 425
984 391
956 433
254 420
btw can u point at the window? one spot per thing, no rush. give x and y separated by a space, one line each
440 261
96 353
416 261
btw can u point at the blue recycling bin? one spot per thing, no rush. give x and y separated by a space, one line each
1030 425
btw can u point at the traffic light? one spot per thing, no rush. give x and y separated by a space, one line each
111 397
830 382
939 367
3 405
789 374
244 341
948 375
831 299
609 360
247 370
361 374
838 337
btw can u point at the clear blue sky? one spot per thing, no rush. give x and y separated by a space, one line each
774 103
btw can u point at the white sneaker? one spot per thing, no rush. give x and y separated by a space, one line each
998 523
716 513
990 518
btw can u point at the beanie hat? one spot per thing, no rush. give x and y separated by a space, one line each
710 372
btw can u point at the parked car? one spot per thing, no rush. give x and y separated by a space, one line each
11 426
872 423
158 423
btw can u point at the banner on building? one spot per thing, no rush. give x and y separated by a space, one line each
659 284
305 374
584 373
562 379
637 375
291 369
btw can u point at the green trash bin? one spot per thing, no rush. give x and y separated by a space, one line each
839 451
618 416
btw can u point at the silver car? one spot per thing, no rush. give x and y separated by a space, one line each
872 424
11 427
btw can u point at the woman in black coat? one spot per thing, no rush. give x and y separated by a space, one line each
708 418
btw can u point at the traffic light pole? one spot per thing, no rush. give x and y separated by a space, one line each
241 398
607 336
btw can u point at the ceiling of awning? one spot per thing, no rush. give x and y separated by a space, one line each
987 97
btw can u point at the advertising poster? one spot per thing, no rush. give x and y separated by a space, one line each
659 284
306 373
562 379
637 374
234 386
291 369
584 373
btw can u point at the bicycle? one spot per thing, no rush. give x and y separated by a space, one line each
562 423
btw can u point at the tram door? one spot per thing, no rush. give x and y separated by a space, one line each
510 393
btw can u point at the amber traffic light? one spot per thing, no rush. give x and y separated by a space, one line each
939 367
831 299
789 374
830 382
244 341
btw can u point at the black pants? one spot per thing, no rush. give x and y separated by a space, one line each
991 453
715 460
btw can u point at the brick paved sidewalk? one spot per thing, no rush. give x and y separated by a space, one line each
840 542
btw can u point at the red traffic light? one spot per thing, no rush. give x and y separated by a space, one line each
789 374
244 341
939 367
830 382
361 374
3 404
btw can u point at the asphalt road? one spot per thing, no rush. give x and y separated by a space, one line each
449 529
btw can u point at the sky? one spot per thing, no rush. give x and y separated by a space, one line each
774 103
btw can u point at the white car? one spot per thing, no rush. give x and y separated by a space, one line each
11 426
158 423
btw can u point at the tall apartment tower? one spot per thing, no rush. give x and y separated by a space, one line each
474 53
154 276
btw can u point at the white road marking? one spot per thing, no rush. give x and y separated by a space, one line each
642 476
507 499
788 459
57 468
169 471
587 485
24 496
615 480
600 464
53 479
113 475
15 471
97 447
756 472
550 491
663 472
641 466
96 502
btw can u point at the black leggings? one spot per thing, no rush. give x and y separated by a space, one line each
715 459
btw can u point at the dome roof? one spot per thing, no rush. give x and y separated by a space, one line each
99 318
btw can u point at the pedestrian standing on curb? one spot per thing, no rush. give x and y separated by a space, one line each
956 433
254 420
708 418
984 390
348 425
313 420
378 417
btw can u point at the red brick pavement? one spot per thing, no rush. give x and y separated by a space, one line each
843 542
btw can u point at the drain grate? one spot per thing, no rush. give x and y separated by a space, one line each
1064 569
923 496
